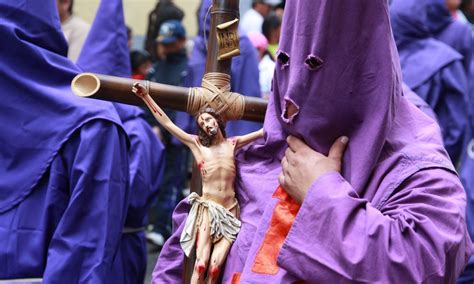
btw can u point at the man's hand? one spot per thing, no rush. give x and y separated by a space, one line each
139 90
301 165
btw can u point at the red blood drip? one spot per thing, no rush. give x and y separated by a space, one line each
153 108
215 272
200 269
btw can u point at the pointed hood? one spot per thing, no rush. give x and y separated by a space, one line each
204 18
409 20
438 16
416 46
38 112
105 50
341 84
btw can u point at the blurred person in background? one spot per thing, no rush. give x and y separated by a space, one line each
447 29
164 10
266 65
141 64
280 8
466 14
271 29
252 20
453 6
170 69
442 83
74 28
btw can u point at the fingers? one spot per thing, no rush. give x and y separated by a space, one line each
295 143
281 179
284 162
138 88
135 88
219 254
337 149
285 166
203 249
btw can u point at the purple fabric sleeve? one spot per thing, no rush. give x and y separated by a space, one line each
354 241
86 238
453 113
170 265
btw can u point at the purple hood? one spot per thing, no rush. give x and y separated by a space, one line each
342 84
38 112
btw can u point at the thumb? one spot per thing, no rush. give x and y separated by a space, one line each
337 149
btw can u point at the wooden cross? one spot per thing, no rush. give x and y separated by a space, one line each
223 44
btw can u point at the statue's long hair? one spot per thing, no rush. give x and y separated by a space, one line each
203 137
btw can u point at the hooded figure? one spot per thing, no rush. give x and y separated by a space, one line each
442 82
458 35
450 31
395 213
63 159
244 73
105 51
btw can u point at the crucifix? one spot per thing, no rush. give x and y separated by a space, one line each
223 44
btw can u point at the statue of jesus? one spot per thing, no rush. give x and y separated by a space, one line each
213 219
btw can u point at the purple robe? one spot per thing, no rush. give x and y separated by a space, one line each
244 73
63 159
396 212
146 156
105 51
442 83
450 31
467 177
418 102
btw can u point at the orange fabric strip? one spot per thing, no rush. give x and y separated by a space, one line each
236 278
283 217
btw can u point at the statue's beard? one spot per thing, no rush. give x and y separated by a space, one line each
212 132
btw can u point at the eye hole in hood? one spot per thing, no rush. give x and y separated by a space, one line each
313 62
283 58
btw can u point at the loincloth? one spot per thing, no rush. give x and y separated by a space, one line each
222 223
